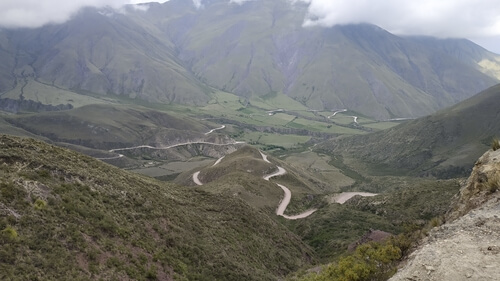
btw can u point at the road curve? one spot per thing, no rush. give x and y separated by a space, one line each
211 131
162 148
355 118
335 113
286 199
174 145
288 194
196 179
344 196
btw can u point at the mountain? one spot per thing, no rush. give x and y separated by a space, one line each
176 53
100 52
65 215
444 144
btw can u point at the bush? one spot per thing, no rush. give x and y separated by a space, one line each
372 261
495 144
39 204
493 183
9 234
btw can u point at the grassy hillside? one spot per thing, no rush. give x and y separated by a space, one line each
110 126
409 205
240 174
65 215
444 144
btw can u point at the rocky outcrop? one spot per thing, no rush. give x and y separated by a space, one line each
481 186
467 247
372 235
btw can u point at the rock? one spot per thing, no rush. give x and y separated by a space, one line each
466 246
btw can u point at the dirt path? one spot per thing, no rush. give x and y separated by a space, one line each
355 118
280 172
335 113
164 147
264 157
196 179
288 194
218 160
286 199
344 196
174 145
211 131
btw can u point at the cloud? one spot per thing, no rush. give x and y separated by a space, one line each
478 19
239 2
198 4
443 18
142 7
35 13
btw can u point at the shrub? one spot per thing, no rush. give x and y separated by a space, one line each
495 144
9 234
39 204
493 183
435 222
372 261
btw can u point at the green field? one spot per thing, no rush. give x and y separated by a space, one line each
286 141
34 90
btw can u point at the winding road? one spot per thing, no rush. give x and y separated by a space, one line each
355 118
335 113
167 147
344 196
163 148
211 131
196 178
288 194
286 199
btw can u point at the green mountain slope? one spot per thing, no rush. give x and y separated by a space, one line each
444 144
65 215
175 53
111 126
102 52
260 48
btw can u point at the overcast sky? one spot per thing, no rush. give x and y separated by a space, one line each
478 20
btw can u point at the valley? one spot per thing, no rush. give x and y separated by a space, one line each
223 147
229 141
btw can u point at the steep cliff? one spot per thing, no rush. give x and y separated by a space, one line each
467 246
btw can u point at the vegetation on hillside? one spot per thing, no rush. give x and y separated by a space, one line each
369 262
444 145
65 215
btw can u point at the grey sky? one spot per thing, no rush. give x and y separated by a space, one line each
478 20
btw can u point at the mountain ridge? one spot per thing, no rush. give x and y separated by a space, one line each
175 53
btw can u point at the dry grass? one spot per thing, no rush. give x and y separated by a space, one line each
495 144
493 183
